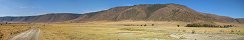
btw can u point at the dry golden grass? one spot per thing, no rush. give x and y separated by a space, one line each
10 30
116 30
101 31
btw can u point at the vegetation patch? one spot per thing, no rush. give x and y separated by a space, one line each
138 24
208 25
7 30
133 29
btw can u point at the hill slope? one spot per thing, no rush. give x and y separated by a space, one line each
153 12
240 20
54 17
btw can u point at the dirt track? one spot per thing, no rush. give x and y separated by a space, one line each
32 34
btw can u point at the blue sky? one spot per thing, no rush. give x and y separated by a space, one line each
232 8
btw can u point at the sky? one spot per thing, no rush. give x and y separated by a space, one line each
231 8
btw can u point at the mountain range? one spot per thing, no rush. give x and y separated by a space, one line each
141 12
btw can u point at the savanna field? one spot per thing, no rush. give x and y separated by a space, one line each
124 30
121 20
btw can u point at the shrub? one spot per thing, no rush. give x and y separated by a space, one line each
208 25
133 29
145 25
1 36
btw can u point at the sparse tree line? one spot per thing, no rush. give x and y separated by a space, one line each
13 24
209 25
207 31
4 23
140 25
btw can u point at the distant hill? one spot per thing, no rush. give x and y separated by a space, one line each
141 12
153 12
240 20
53 17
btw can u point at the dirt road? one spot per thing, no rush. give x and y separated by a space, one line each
32 34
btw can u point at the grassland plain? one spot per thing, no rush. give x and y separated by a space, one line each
117 31
124 30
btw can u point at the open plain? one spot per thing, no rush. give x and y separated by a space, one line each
136 30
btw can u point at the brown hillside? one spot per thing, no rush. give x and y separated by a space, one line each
240 20
153 12
54 17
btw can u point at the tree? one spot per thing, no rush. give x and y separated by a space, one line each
145 25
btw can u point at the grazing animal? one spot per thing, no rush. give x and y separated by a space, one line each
152 24
193 31
178 25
